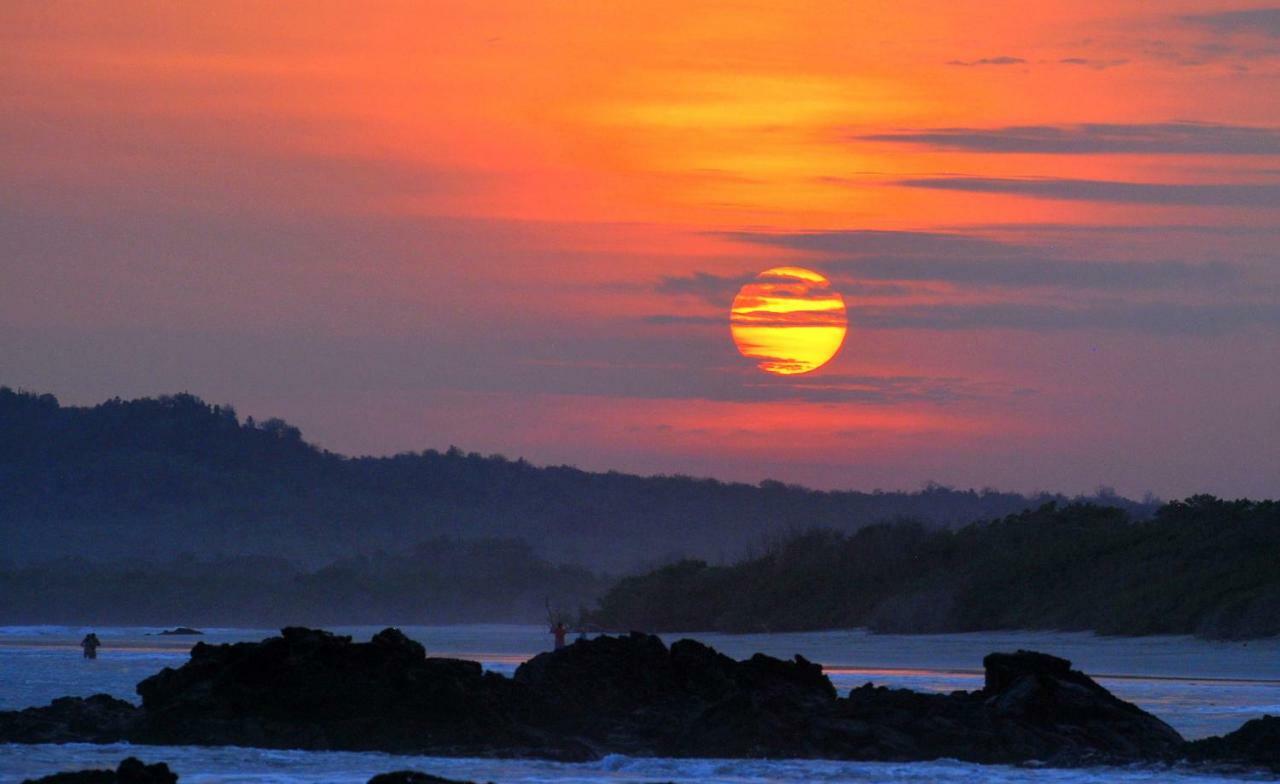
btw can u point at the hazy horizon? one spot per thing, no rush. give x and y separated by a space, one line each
1100 489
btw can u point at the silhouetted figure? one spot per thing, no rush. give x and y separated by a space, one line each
559 630
90 645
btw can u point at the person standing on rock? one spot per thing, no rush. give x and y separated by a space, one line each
559 630
90 645
555 619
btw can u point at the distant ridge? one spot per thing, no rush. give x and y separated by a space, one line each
1202 566
157 477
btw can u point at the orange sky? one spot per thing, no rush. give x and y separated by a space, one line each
518 227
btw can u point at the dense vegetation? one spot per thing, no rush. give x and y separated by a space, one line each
440 581
1203 566
154 478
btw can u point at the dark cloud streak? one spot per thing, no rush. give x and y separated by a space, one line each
1159 318
1264 21
861 258
1170 194
1095 64
883 390
1174 138
1068 273
1152 318
1000 60
862 241
719 290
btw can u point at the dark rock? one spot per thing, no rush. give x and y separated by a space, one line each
632 694
1256 743
1067 713
179 631
97 719
133 771
311 689
130 771
100 776
412 777
1003 669
1033 707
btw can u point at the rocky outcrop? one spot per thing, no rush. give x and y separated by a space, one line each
133 771
1256 743
1032 707
310 689
130 771
412 777
96 719
633 695
629 694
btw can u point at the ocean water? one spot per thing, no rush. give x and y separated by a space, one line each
1200 687
200 765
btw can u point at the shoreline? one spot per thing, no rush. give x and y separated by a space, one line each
249 764
615 695
1202 689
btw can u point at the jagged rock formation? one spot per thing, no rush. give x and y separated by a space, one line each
632 694
311 689
133 771
97 719
130 771
412 777
1256 743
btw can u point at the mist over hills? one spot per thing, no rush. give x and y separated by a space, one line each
436 581
156 478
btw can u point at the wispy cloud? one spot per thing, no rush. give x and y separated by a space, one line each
867 241
795 318
867 257
870 389
1150 138
719 290
1043 271
1000 60
1264 21
667 370
1161 318
667 319
1009 60
885 276
1093 63
716 289
1172 194
1155 318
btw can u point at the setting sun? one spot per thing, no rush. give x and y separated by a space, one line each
789 320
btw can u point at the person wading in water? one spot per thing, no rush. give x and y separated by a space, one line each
90 645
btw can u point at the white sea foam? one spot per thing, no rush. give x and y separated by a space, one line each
231 765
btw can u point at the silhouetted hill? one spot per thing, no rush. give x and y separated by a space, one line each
1203 566
154 478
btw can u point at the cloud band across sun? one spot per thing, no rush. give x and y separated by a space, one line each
789 320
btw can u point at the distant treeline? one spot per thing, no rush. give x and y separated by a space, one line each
153 478
1203 566
441 581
